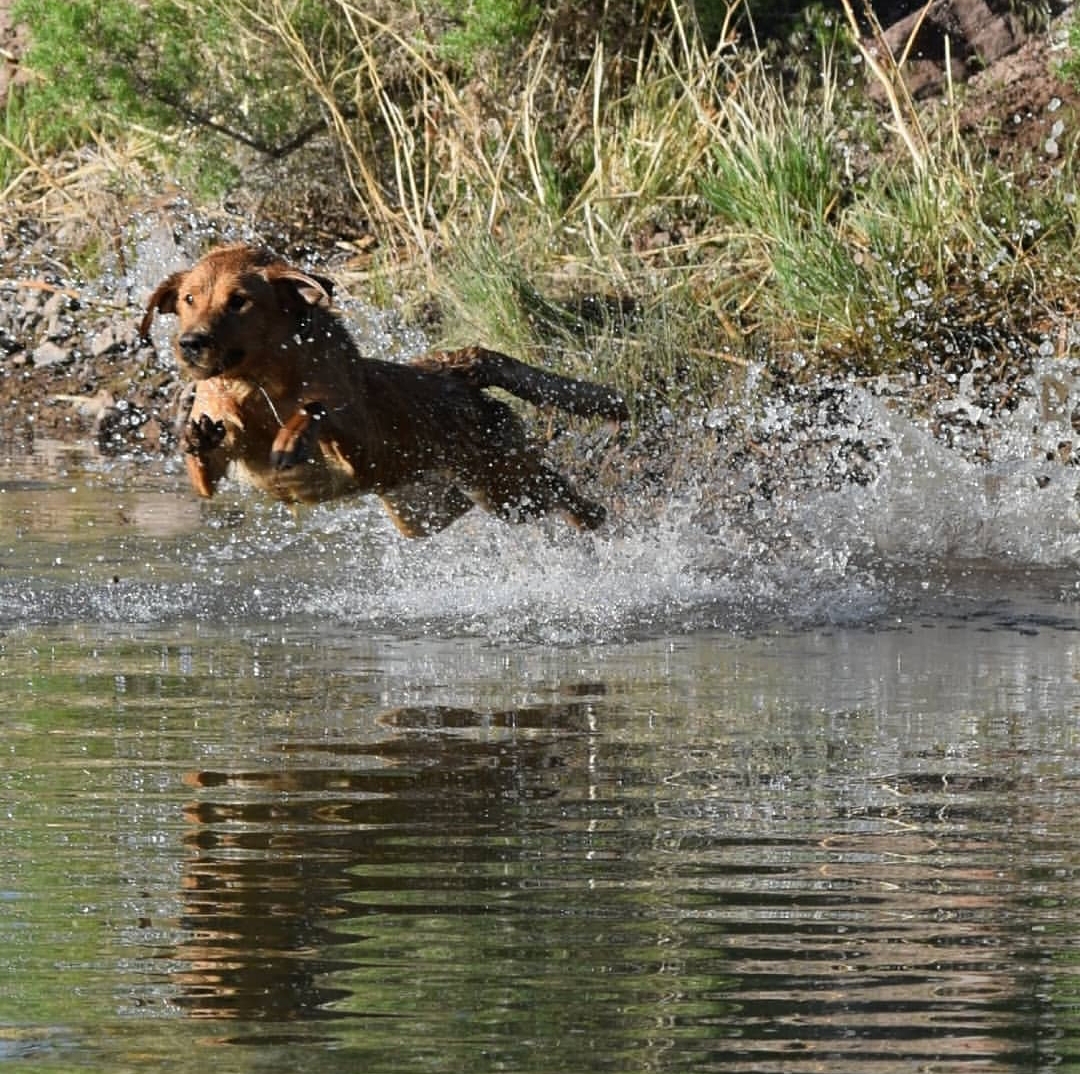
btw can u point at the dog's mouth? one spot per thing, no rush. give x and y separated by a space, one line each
202 360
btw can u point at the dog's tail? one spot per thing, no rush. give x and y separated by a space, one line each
490 369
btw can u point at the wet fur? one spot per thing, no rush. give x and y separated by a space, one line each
283 396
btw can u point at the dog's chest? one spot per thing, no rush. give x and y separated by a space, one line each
312 481
252 419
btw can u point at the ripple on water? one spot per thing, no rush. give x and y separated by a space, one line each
848 850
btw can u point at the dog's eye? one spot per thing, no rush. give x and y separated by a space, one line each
189 298
237 302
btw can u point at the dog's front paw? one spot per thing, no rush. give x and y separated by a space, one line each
298 437
202 435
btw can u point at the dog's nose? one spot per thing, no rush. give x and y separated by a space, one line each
192 344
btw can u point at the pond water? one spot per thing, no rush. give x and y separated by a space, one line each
297 794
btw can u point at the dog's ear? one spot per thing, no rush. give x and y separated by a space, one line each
292 284
163 300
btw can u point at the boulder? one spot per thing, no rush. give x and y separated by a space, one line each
968 34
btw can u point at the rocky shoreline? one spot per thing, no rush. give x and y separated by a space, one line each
70 370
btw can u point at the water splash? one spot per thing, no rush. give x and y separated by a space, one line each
548 585
930 501
834 504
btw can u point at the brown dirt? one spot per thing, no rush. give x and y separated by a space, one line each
1014 107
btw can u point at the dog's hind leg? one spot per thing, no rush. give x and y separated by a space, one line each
532 489
426 507
584 513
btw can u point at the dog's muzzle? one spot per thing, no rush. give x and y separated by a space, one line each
197 351
193 345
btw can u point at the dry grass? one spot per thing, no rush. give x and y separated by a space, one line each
739 214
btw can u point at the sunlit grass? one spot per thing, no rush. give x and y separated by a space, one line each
736 211
19 155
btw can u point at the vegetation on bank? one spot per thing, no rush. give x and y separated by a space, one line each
654 204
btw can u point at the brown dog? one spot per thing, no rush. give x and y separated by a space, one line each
283 396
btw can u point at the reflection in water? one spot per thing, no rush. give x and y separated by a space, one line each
711 894
303 796
274 855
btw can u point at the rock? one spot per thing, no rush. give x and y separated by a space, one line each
9 344
153 435
58 329
50 353
1023 108
105 341
976 36
117 427
89 407
56 304
13 39
30 303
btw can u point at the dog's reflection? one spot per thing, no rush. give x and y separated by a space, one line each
285 862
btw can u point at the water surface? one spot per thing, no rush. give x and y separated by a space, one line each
290 793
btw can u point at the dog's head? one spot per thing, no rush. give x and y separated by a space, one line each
236 306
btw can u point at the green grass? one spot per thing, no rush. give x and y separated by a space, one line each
739 206
16 143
